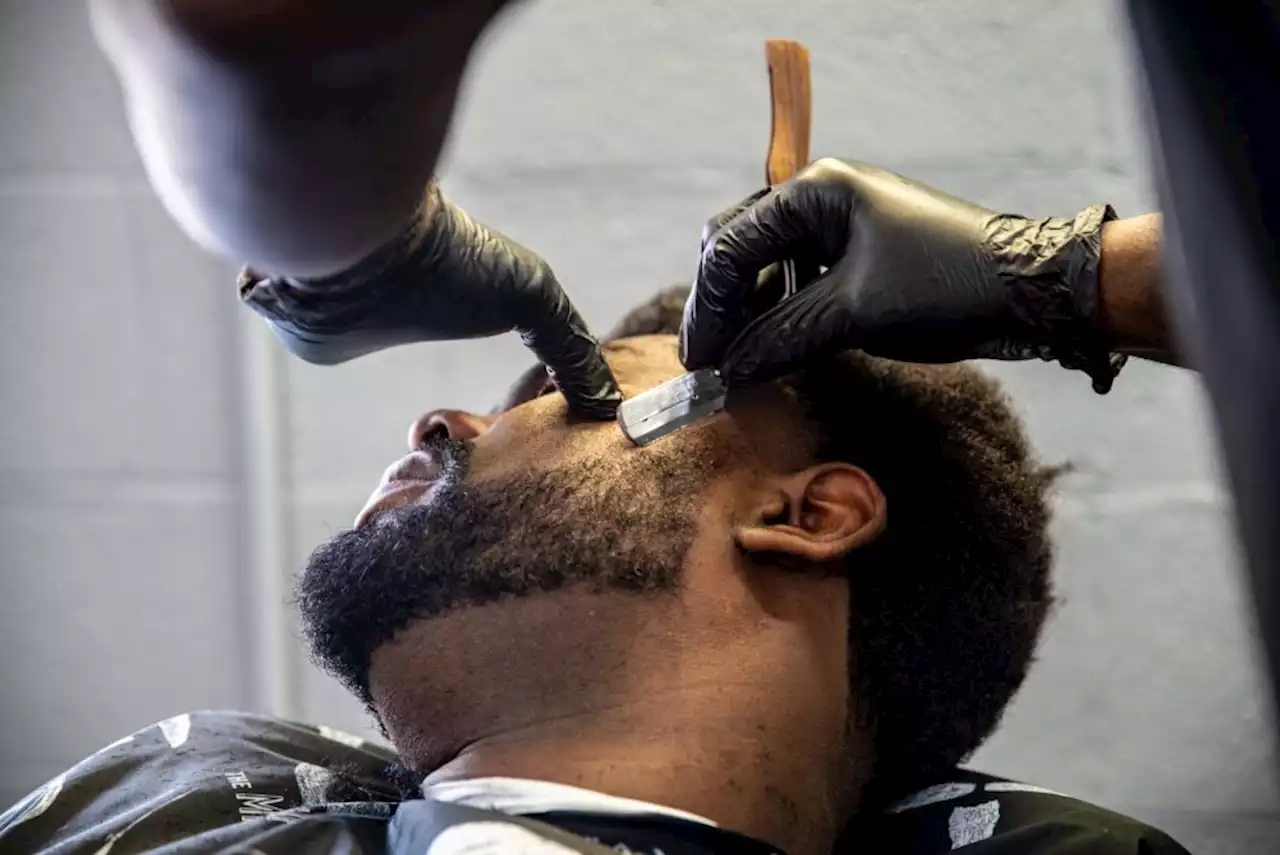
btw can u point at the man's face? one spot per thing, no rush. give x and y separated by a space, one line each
523 500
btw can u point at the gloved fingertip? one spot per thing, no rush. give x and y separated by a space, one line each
587 383
600 405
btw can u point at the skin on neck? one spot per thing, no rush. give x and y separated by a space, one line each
727 699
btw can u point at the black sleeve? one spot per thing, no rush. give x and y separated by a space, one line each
205 781
993 816
1082 834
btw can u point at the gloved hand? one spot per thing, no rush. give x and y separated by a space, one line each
910 274
445 277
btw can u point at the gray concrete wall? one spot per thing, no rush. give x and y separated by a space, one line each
603 135
118 487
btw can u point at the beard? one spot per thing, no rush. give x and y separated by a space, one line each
609 522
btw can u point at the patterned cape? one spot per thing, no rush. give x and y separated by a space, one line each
214 782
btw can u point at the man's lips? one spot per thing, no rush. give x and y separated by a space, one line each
404 482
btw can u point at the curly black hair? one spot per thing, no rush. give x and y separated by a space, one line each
949 602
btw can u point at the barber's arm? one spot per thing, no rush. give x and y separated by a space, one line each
1131 304
914 274
300 137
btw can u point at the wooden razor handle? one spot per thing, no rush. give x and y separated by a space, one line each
792 103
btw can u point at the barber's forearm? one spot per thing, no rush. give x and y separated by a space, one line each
276 135
1131 293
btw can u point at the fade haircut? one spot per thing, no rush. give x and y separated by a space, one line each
947 605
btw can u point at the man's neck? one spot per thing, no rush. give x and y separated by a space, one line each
713 769
727 730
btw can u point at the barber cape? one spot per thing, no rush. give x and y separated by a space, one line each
221 782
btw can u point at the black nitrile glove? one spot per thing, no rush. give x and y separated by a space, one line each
445 277
911 274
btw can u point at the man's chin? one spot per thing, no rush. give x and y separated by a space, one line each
463 545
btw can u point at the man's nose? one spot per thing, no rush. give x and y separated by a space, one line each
454 424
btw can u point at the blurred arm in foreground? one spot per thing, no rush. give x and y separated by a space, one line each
301 138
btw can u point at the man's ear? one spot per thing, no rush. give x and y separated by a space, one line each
819 513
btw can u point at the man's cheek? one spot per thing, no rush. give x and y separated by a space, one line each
521 439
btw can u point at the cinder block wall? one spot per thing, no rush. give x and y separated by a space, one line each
603 135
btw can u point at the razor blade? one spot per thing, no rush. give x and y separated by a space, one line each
675 404
689 398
